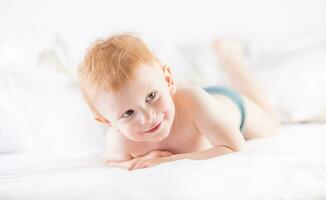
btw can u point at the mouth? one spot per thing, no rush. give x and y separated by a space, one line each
153 129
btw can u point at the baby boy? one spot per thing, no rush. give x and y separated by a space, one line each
150 121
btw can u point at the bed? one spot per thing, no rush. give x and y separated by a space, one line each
290 165
51 149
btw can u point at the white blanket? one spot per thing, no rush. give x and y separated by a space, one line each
290 165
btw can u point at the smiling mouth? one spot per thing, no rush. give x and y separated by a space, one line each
155 128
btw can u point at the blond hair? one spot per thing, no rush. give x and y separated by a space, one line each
110 63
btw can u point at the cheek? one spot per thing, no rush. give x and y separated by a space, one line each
128 129
167 106
167 103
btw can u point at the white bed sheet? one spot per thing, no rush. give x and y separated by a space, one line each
290 165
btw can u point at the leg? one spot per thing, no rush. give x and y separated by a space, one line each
261 118
231 56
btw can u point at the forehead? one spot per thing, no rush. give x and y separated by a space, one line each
145 80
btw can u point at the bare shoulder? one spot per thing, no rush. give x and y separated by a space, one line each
205 108
190 94
117 148
196 103
193 97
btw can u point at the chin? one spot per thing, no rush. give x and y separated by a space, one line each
161 137
156 137
161 134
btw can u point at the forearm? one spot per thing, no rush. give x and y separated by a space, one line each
202 155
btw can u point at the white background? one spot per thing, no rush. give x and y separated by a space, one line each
181 20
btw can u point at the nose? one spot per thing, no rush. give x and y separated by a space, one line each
147 116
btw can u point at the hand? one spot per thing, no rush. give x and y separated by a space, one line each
152 158
150 162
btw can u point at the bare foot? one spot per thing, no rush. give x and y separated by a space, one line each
229 51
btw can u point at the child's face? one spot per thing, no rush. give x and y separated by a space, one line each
144 109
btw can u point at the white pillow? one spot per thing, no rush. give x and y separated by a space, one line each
43 117
38 52
10 139
293 72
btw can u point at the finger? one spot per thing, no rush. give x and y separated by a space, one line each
139 165
122 164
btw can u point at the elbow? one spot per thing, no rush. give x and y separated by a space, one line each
233 148
238 147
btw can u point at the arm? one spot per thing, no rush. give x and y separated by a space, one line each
201 155
213 121
137 163
206 154
118 153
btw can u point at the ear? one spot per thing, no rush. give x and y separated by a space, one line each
169 78
102 120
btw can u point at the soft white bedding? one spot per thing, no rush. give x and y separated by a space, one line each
50 148
290 165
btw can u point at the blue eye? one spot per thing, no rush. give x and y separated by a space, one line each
128 113
151 96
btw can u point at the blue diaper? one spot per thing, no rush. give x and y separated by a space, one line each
235 97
